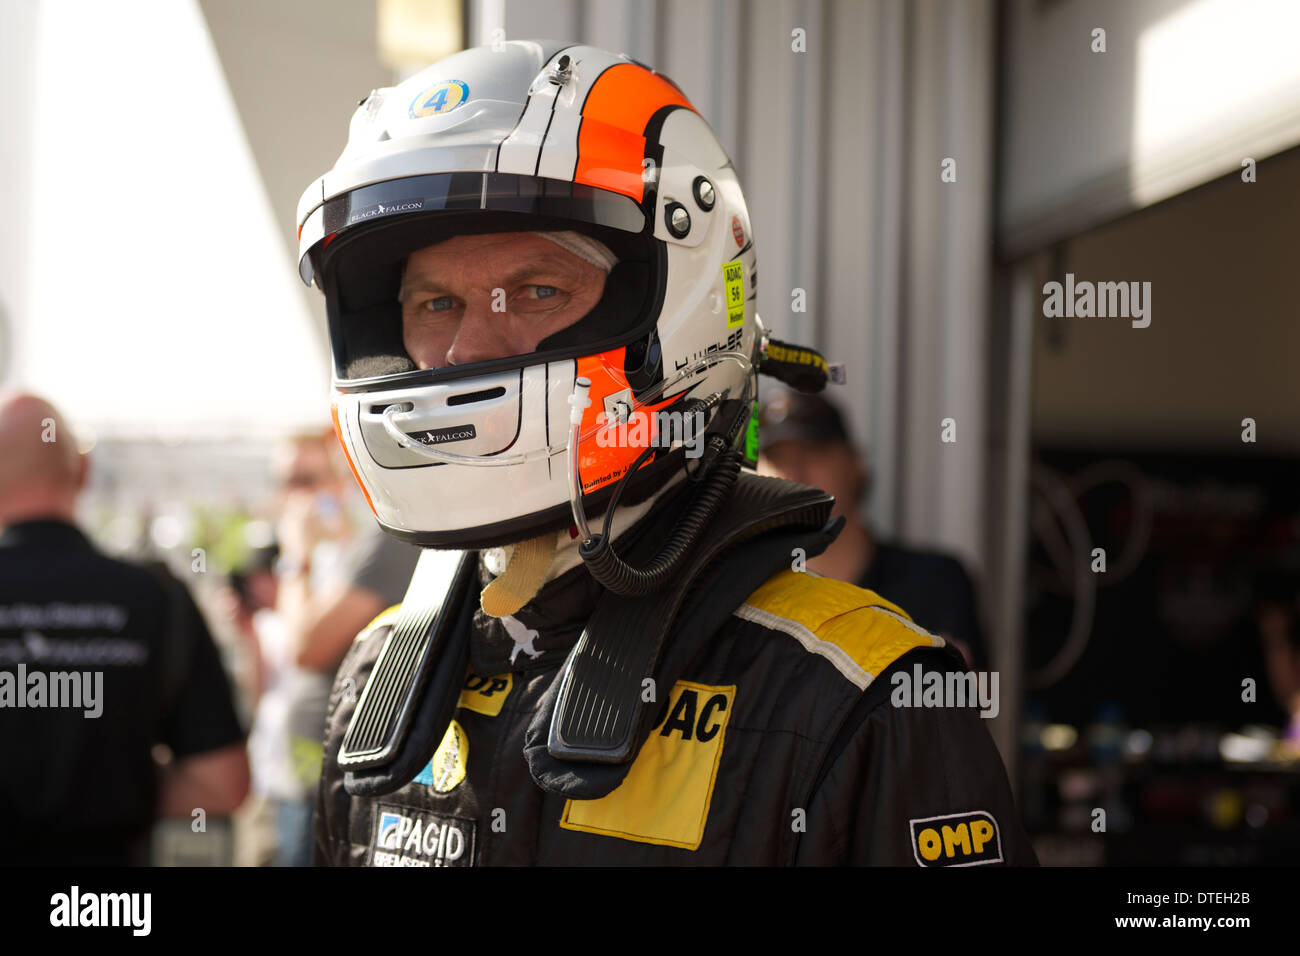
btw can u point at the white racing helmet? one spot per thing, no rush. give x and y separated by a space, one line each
534 136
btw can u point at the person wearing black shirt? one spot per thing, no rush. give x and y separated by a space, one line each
803 438
100 660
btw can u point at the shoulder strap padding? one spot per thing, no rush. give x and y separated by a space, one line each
857 631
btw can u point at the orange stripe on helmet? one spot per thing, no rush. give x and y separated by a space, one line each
600 464
338 433
621 101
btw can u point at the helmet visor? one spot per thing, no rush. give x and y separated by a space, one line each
451 274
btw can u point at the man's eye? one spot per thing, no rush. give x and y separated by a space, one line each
440 304
544 291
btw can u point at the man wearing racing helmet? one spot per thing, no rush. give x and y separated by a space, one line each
539 273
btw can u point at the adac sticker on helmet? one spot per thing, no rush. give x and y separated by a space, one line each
733 280
443 98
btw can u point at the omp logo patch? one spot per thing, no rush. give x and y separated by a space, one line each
956 839
665 797
404 836
447 768
485 695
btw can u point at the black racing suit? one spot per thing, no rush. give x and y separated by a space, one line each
787 742
78 784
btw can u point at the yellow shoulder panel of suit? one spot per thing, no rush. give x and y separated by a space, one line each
386 616
858 631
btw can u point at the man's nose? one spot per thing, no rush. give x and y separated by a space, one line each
483 334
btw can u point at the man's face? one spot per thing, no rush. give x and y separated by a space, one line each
474 298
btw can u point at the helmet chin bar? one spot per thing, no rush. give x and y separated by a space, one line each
393 419
595 549
718 451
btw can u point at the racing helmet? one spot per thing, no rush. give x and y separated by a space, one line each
563 140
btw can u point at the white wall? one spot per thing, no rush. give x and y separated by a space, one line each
1185 90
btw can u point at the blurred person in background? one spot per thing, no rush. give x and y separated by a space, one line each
100 660
334 574
802 438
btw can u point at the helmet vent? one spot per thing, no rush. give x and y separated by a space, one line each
482 395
